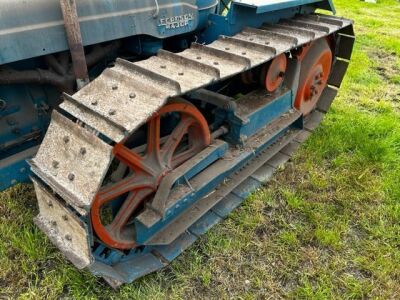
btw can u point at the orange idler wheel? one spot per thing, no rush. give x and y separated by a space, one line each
315 70
275 73
146 169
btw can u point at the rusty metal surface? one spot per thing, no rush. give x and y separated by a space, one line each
122 98
326 99
338 72
74 37
156 209
66 231
72 161
227 63
202 206
144 87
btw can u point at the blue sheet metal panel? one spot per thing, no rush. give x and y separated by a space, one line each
137 267
260 117
172 251
205 223
246 187
242 17
263 6
226 205
34 28
216 154
144 233
15 168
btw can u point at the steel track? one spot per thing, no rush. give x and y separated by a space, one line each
73 160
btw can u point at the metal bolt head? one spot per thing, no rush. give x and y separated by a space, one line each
82 151
181 73
216 63
227 48
68 237
115 87
66 139
163 66
65 217
132 95
55 164
54 223
244 53
198 57
112 112
94 102
71 177
50 204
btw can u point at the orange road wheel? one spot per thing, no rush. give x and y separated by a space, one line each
275 73
315 70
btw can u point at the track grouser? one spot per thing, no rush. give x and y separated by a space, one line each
144 123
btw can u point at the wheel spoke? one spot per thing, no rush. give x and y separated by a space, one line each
175 139
153 136
132 159
129 206
126 185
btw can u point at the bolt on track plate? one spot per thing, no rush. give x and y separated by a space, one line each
99 105
72 161
63 227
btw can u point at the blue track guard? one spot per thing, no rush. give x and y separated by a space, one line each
264 6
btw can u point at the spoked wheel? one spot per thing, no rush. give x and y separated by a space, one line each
314 74
189 135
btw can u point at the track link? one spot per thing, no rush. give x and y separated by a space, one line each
73 160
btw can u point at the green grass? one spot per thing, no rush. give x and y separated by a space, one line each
326 227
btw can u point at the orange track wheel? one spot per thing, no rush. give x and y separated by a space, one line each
315 70
275 73
146 169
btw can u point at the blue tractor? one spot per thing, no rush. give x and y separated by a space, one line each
143 123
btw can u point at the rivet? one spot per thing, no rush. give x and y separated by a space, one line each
55 164
163 66
94 102
115 87
13 181
66 139
198 57
50 204
132 95
267 43
216 63
71 177
251 39
181 73
22 170
227 48
112 112
244 53
68 237
54 223
65 217
83 151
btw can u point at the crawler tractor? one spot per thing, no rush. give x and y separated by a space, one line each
144 123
